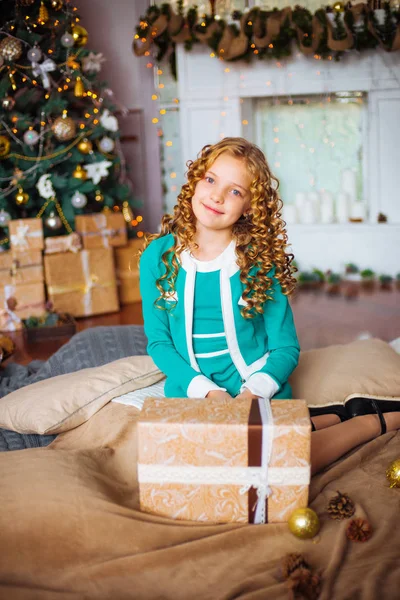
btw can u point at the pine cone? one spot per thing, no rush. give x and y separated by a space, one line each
305 584
341 506
359 530
291 562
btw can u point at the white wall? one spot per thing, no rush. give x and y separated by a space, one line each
111 27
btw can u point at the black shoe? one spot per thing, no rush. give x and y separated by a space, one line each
330 409
360 406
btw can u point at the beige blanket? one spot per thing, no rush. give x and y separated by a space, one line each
70 528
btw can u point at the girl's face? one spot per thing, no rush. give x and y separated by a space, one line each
223 195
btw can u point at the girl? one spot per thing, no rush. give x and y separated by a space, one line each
215 284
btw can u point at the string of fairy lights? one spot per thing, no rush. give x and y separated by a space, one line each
64 128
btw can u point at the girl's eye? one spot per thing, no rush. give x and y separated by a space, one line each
209 179
236 193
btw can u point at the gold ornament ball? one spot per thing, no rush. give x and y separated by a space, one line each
80 35
98 196
85 146
304 523
57 4
4 146
64 128
79 173
393 473
338 7
10 48
21 197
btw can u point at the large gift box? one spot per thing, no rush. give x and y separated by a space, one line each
224 461
126 262
63 243
26 234
21 267
82 284
101 230
20 302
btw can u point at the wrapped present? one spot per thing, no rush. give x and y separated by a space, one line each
101 230
26 234
224 461
127 269
21 267
63 243
20 302
82 284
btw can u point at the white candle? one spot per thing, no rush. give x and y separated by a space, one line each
342 207
315 199
307 215
289 213
357 211
300 198
349 184
326 208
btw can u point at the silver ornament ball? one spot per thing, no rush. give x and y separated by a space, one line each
106 144
31 137
35 54
78 200
5 218
53 221
8 103
67 40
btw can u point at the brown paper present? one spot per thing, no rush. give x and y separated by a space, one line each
101 230
224 461
127 269
82 284
5 267
26 234
63 243
18 268
20 302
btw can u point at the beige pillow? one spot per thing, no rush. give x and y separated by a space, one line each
327 376
66 401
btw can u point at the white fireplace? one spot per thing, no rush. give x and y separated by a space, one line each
218 99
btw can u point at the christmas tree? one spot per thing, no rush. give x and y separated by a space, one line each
59 140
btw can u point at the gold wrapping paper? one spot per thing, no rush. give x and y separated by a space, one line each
18 268
63 243
82 284
26 234
127 269
210 433
101 230
30 299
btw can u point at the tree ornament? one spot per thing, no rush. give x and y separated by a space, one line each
12 80
31 137
127 211
79 88
56 4
78 200
64 128
34 54
26 2
85 146
359 530
5 146
106 144
79 173
97 170
341 507
98 196
10 48
108 121
8 103
53 221
21 197
80 35
338 7
304 523
45 186
92 62
393 473
67 40
43 14
5 218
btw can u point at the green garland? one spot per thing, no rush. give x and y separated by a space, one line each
267 34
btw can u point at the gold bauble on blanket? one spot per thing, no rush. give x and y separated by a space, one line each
393 473
304 523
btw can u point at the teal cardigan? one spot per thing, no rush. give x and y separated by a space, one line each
264 349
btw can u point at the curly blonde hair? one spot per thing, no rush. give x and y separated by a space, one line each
260 237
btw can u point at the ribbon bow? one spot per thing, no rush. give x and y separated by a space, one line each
42 70
8 319
19 238
263 491
73 243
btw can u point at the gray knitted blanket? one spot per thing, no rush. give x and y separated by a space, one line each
89 348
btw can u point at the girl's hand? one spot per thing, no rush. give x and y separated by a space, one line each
246 395
219 395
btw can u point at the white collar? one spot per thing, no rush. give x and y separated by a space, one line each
225 260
